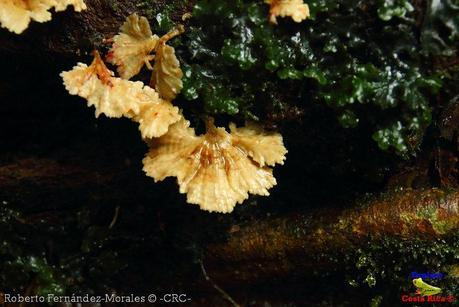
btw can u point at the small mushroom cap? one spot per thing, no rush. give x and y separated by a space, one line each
106 93
132 47
264 148
132 50
116 97
78 5
15 15
295 9
156 115
214 170
167 74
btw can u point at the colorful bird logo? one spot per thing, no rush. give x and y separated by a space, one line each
424 288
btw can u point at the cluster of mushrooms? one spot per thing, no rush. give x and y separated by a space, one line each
216 170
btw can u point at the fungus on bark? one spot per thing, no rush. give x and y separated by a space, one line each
295 9
133 48
15 15
219 169
117 97
216 170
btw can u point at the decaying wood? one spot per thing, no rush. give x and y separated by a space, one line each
47 172
272 246
283 245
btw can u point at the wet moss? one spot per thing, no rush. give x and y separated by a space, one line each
363 60
386 265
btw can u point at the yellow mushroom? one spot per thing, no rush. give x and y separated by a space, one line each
133 48
216 170
295 9
117 97
15 15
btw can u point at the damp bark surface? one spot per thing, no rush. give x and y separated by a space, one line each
252 250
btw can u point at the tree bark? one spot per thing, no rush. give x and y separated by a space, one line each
267 247
72 34
289 244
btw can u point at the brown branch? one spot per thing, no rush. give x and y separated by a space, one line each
282 245
270 247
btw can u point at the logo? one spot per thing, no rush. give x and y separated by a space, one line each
427 275
424 288
426 292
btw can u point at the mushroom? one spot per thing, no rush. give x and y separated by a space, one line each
15 15
295 9
117 97
133 48
216 170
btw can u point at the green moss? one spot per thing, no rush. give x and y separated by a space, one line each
163 13
384 266
394 8
440 30
364 61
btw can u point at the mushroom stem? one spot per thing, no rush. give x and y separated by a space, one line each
180 29
100 69
210 124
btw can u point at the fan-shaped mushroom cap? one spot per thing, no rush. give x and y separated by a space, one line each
295 9
15 15
264 148
155 118
132 50
132 47
78 5
116 97
215 170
